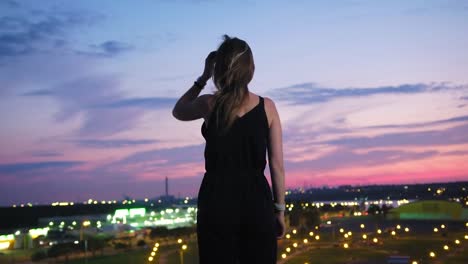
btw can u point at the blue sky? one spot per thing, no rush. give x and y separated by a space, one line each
368 92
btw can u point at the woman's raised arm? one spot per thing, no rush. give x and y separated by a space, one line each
191 106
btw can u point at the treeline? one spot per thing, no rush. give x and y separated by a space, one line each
28 217
384 192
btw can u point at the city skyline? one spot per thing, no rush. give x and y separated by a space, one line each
368 92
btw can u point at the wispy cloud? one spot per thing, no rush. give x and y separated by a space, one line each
346 157
105 108
449 136
113 143
458 119
171 156
82 95
309 93
110 48
147 102
22 36
10 3
14 168
45 153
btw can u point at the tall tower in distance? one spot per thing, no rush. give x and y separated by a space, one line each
167 187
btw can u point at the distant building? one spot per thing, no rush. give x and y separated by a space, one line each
430 210
166 198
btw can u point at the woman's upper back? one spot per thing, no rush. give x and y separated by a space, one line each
244 146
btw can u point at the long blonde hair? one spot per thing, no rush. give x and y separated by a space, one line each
233 70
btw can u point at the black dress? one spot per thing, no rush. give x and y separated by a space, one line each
235 220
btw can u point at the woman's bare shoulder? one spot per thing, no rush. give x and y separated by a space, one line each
207 99
270 109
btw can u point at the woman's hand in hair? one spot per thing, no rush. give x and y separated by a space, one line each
209 65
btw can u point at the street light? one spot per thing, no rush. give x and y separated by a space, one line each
183 248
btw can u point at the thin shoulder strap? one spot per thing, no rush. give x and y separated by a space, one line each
262 105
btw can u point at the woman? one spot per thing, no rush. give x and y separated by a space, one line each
238 221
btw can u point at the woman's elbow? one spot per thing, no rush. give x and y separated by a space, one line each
174 114
277 167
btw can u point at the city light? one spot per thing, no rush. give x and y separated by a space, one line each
432 254
4 245
345 245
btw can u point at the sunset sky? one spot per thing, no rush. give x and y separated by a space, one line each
368 92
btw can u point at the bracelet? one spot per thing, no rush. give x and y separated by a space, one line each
280 207
198 85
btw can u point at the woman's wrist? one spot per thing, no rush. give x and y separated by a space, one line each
203 78
200 82
280 206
